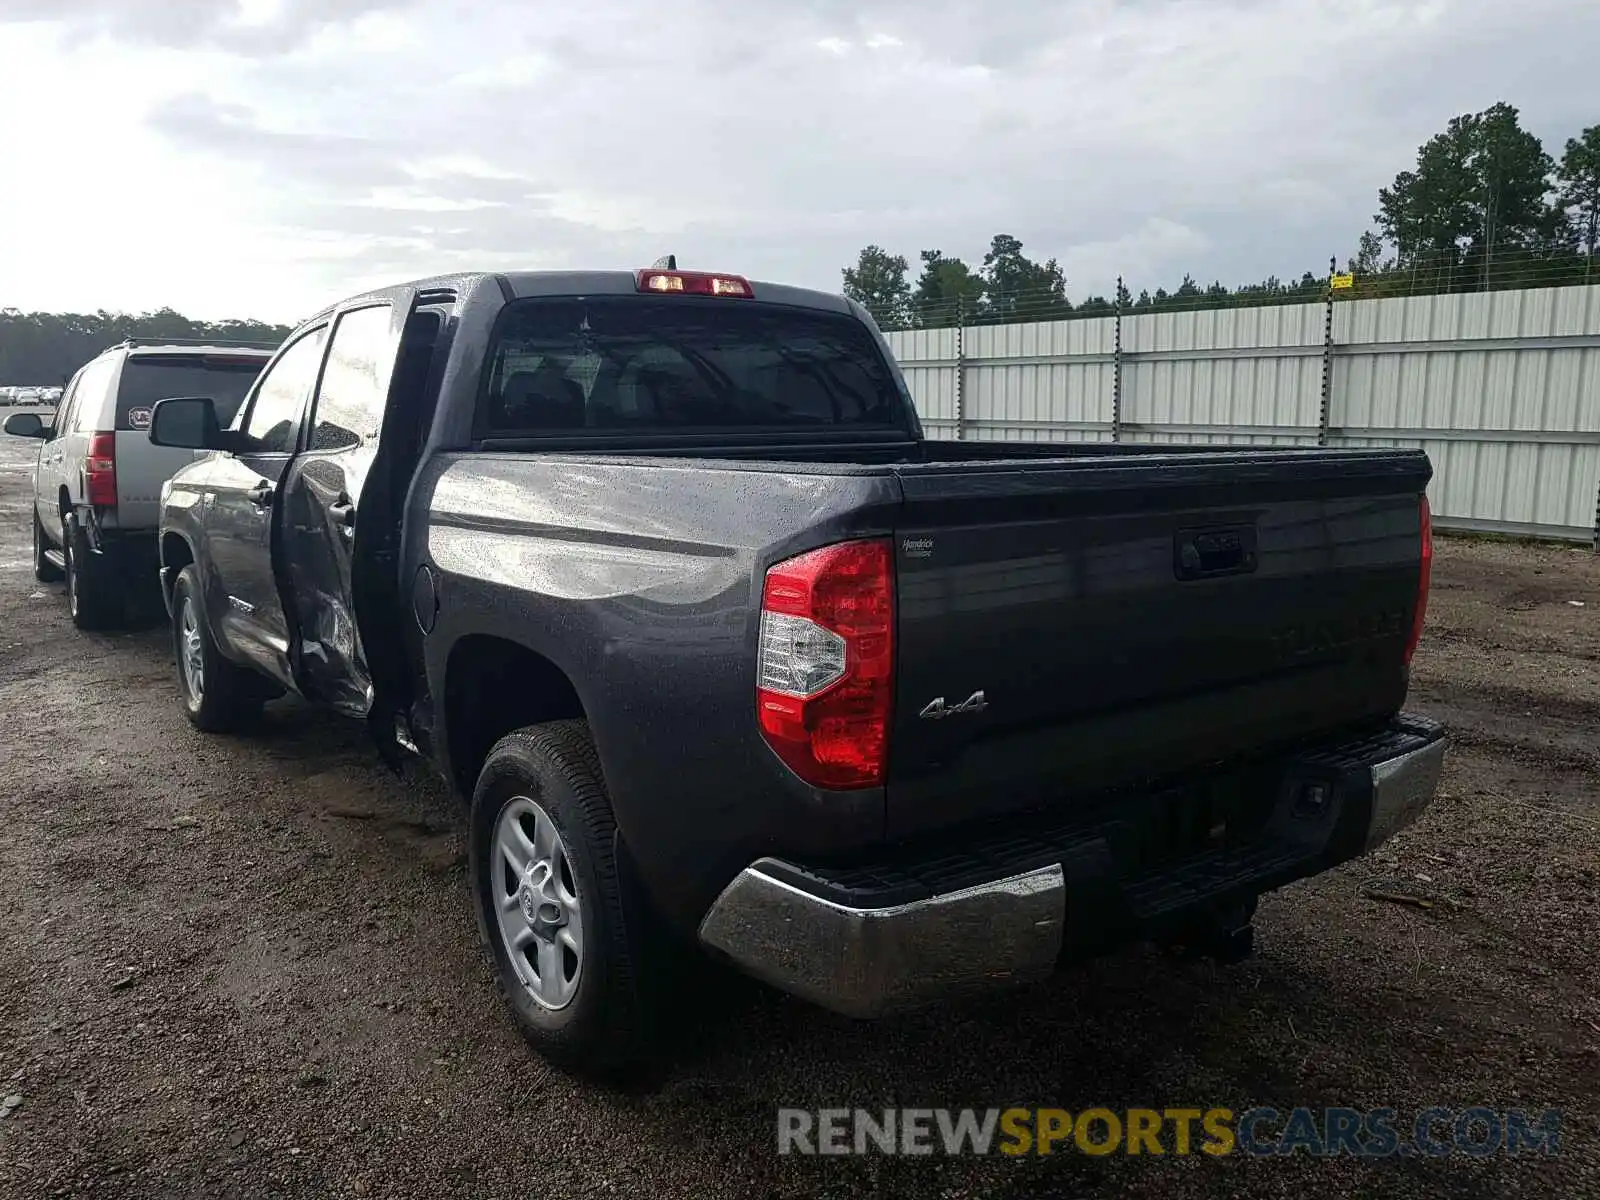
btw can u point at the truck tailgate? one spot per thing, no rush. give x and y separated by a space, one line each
1070 625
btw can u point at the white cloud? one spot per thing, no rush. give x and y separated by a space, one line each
468 166
260 14
1138 254
505 74
413 199
268 157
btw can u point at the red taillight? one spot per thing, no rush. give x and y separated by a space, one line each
825 673
1424 581
100 470
693 283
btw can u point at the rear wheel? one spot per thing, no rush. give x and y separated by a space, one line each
44 570
218 695
549 899
93 599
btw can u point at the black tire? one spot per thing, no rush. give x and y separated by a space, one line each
44 570
94 601
225 696
601 1030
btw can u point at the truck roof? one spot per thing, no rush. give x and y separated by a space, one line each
567 283
521 285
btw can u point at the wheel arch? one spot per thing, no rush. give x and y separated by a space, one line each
492 686
177 552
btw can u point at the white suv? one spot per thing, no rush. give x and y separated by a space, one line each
97 484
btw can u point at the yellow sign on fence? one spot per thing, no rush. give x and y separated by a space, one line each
1342 281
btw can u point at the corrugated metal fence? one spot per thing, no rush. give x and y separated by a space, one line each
1501 388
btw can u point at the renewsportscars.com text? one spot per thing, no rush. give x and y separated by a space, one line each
1319 1132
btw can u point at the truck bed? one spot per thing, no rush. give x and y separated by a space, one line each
1126 612
1131 612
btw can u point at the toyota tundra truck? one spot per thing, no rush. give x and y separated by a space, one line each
658 569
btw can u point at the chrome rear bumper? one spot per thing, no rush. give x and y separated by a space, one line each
868 961
864 962
1401 788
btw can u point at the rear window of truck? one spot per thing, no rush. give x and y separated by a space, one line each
147 378
616 364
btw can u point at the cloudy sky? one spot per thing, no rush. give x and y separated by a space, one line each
263 157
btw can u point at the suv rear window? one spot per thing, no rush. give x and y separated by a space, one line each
147 378
617 364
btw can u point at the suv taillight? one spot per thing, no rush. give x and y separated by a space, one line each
1424 581
825 673
100 470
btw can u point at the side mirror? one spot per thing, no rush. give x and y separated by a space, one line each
27 425
190 423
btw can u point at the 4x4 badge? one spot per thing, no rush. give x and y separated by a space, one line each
937 710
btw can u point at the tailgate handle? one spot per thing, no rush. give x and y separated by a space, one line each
1207 553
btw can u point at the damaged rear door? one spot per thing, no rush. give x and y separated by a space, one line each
322 499
344 496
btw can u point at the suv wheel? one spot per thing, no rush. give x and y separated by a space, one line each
549 898
44 570
92 597
218 696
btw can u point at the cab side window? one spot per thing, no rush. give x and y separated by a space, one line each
280 396
355 382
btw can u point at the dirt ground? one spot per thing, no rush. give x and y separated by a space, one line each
247 967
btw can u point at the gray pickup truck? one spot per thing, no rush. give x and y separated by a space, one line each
659 570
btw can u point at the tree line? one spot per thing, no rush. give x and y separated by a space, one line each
44 349
1484 207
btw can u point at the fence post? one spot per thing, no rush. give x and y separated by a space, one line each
1327 356
961 369
1597 518
1116 372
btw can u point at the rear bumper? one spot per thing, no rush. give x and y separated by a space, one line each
1006 906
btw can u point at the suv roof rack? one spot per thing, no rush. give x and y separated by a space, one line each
130 343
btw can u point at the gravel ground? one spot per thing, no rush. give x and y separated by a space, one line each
247 967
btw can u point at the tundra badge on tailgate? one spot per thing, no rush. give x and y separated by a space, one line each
937 710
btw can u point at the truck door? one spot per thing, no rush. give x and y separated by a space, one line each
342 497
322 495
242 498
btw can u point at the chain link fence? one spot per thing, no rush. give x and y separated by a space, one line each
1500 386
1423 275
